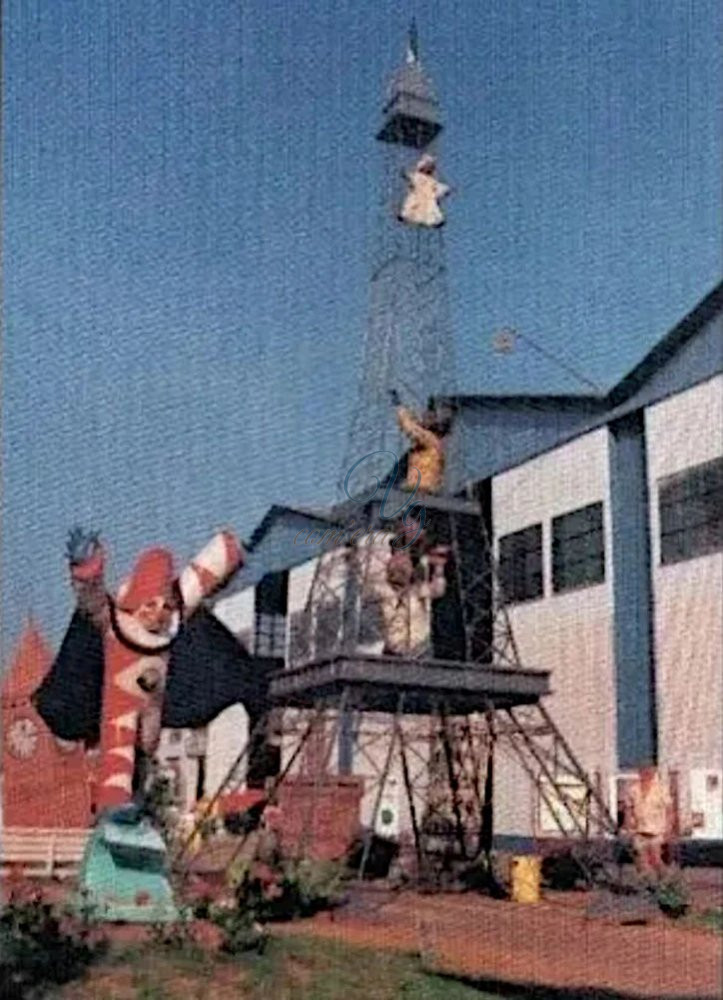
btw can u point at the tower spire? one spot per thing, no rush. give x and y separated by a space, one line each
411 113
408 344
412 43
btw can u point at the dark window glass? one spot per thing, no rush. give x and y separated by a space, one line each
270 635
578 548
691 512
521 564
270 606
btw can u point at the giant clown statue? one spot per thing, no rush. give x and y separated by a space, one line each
110 682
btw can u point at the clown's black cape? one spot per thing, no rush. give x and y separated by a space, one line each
209 670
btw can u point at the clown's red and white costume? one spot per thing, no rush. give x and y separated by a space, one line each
138 627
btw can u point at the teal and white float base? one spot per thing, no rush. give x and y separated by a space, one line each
124 872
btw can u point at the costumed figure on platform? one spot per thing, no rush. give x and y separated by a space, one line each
110 681
421 205
426 461
405 596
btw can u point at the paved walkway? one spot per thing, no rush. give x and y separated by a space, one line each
552 944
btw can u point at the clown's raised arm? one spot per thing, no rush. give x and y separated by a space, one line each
207 572
210 569
86 561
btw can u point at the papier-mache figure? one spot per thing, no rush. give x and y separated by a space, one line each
421 204
110 680
405 594
648 817
426 461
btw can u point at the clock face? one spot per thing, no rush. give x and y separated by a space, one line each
22 738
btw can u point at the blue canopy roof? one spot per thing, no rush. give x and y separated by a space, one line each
278 543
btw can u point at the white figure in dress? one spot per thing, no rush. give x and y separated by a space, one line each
421 205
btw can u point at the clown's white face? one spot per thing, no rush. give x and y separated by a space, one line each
159 616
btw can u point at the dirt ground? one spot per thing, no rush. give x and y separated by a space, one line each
554 945
551 944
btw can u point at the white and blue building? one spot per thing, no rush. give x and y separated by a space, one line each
606 512
607 516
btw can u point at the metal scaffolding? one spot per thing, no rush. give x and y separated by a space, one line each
434 725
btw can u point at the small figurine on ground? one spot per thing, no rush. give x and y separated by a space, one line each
648 814
426 461
421 205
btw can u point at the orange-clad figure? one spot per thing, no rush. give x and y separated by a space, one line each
428 433
138 627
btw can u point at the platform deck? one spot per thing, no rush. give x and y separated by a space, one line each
375 683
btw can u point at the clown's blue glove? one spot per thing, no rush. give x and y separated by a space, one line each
82 546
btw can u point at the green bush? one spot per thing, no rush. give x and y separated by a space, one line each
177 936
711 918
263 893
672 896
241 930
240 920
42 945
313 885
300 889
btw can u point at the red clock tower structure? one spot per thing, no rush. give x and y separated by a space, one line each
47 783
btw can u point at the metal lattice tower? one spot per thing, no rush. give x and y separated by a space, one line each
436 722
408 347
408 343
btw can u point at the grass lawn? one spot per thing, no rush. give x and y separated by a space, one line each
710 919
294 968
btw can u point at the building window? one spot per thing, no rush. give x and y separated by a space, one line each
521 565
271 601
578 548
270 635
691 512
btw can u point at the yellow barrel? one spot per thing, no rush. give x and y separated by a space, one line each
526 879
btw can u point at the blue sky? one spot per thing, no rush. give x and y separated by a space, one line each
189 194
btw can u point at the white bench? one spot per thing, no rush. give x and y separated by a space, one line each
41 852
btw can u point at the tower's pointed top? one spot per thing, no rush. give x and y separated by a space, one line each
411 112
410 78
412 43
